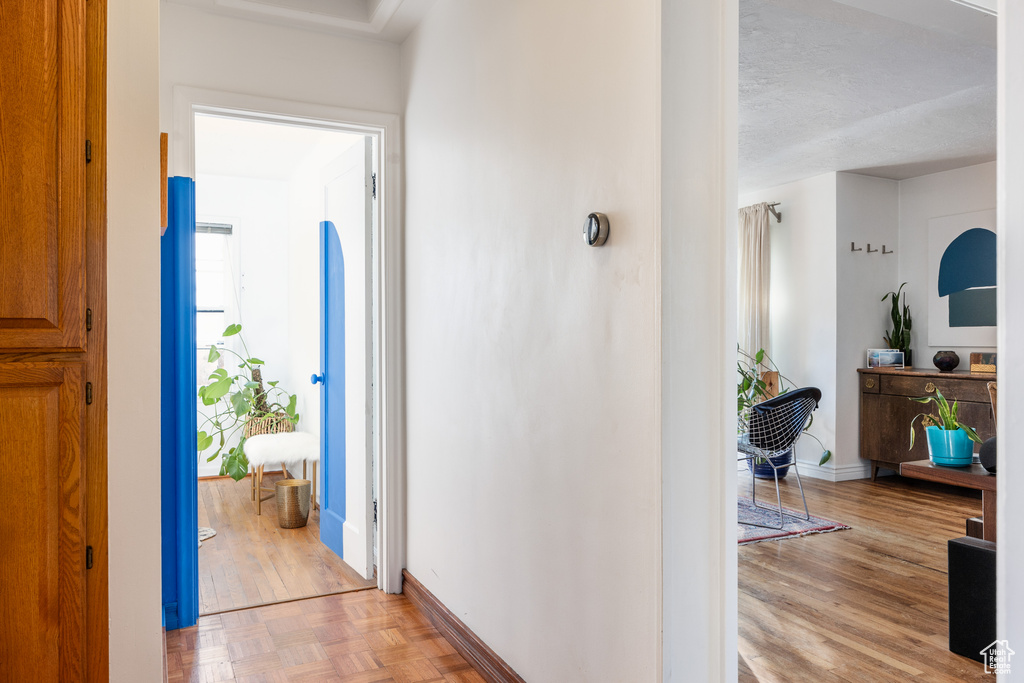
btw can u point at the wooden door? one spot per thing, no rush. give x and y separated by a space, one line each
42 572
42 175
53 609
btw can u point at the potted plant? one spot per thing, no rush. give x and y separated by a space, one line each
239 401
949 439
751 388
899 336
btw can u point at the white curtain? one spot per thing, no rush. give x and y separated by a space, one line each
754 279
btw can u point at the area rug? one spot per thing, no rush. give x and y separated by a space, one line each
791 529
205 533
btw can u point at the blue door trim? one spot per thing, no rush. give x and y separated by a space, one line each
178 458
332 388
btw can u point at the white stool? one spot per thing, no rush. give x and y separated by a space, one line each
287 448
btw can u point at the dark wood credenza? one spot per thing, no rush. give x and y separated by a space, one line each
886 411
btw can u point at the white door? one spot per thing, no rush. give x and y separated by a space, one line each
348 204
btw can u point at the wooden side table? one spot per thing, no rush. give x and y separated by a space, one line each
973 477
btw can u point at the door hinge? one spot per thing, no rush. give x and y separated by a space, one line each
88 320
88 393
88 557
374 512
88 151
374 178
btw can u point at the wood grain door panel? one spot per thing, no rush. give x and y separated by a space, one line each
42 561
42 175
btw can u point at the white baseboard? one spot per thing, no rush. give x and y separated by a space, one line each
827 472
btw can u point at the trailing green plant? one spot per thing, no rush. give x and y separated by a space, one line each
752 389
948 417
899 336
236 399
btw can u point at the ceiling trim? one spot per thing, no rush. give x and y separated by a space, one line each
378 20
986 6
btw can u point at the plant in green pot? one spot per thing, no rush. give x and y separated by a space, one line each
899 336
241 406
950 441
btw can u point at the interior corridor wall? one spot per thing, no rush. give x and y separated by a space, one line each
867 212
133 341
205 50
962 190
803 300
533 470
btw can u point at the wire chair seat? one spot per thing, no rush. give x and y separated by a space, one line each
771 429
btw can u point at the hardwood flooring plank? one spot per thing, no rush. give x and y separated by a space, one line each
251 561
867 604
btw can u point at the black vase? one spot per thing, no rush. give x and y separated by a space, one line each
946 361
987 455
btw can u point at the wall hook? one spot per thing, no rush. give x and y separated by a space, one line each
853 247
870 250
890 251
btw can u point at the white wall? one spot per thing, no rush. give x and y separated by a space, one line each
699 92
133 328
258 210
867 212
533 459
804 304
1010 558
216 52
962 190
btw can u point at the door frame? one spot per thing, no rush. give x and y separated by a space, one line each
388 338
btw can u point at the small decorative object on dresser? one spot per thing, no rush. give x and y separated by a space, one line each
886 358
983 362
946 361
949 439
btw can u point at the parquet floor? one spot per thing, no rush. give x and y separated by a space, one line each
361 637
251 561
868 604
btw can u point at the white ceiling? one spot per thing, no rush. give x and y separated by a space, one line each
890 88
269 151
390 20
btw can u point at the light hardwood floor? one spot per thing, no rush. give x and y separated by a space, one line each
868 604
361 637
251 561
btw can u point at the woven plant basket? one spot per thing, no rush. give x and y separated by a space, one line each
275 423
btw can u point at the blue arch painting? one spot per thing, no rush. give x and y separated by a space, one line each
332 387
967 275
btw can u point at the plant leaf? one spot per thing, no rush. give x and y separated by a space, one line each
203 441
256 361
218 389
239 403
825 457
214 354
232 330
274 383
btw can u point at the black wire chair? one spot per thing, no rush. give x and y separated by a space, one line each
770 429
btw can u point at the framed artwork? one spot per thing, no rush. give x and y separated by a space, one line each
885 358
962 280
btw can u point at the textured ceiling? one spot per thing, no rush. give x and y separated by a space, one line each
894 89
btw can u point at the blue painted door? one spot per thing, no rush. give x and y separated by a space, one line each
178 503
332 387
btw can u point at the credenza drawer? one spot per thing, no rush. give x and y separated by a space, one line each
870 384
953 388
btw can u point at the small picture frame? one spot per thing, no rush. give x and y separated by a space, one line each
885 358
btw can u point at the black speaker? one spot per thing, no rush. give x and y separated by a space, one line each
972 596
987 455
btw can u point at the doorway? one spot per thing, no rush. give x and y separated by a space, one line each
266 184
262 191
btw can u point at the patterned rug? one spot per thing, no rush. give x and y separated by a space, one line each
205 533
791 529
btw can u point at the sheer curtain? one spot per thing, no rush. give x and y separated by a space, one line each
755 279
